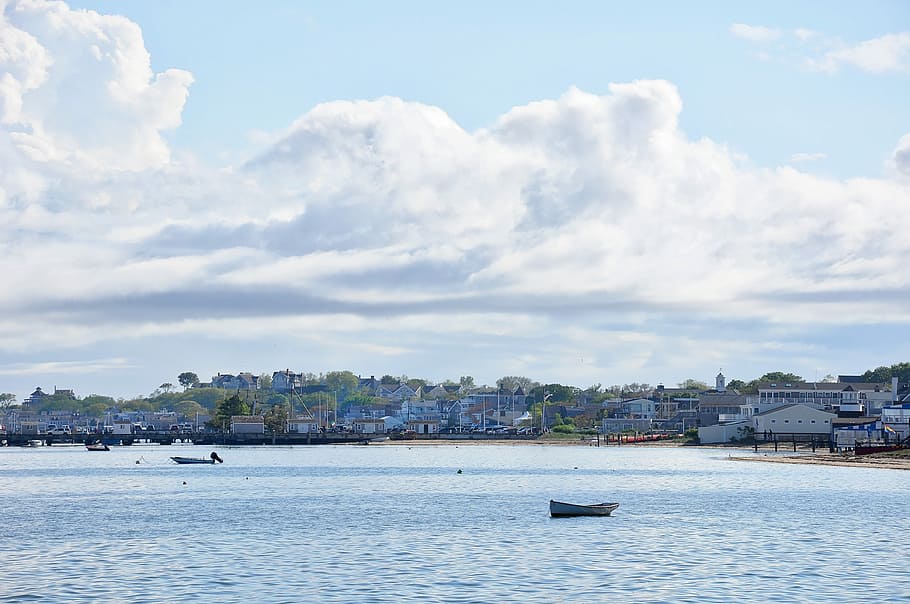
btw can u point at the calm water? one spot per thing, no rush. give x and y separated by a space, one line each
398 524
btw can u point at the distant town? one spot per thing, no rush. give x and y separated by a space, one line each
844 411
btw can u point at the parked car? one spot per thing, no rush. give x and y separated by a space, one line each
60 430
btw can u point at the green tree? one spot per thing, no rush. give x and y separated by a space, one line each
416 383
7 400
188 379
693 384
363 400
884 374
342 382
388 380
737 385
276 419
558 393
228 408
189 409
166 387
779 377
512 382
265 381
276 398
466 381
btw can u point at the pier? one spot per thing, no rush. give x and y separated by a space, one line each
806 439
175 438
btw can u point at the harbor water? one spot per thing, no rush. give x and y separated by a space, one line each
468 523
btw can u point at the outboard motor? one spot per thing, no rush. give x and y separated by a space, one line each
215 457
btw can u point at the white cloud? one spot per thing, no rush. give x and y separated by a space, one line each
78 90
806 157
66 367
901 157
384 223
805 34
889 53
754 33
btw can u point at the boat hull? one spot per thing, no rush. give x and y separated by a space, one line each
560 509
193 460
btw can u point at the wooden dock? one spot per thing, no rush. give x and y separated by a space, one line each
793 439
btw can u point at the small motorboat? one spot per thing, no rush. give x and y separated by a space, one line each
97 447
211 459
559 509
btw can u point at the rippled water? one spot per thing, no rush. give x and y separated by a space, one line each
399 524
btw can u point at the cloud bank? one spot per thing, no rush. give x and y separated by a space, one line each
383 227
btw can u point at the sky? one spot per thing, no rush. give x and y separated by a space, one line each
583 193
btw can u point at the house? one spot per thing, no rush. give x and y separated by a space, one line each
435 392
285 381
417 409
247 424
399 392
847 432
368 426
369 386
896 416
304 424
639 408
821 395
241 381
35 397
424 426
793 419
121 426
723 407
724 433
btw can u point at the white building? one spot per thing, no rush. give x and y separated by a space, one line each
424 426
821 395
724 433
247 424
304 424
793 419
368 426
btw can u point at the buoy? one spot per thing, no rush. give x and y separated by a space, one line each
458 472
184 482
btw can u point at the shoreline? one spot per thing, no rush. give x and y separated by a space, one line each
833 459
737 453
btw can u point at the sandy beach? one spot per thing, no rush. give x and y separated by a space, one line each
833 459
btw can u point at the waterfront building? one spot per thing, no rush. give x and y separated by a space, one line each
368 426
247 424
793 419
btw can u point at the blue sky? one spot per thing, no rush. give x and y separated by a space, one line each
584 193
258 67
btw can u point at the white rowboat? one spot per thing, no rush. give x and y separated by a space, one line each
559 509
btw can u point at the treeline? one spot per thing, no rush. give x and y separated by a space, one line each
342 391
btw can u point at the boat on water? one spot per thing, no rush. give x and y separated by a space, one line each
560 509
97 447
211 459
